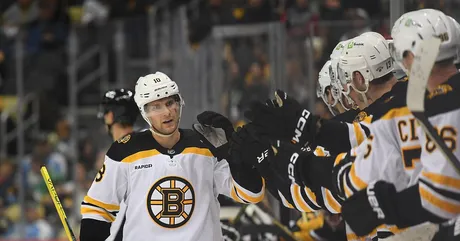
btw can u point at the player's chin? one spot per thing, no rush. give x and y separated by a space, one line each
169 127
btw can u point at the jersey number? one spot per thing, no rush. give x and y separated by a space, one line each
448 134
100 174
411 155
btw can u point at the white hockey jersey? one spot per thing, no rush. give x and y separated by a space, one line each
439 184
391 153
169 194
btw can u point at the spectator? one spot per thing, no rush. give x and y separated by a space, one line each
45 33
360 23
259 11
256 87
7 171
37 227
297 84
19 14
331 10
300 18
43 154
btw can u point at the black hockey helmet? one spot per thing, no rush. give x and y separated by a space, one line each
121 103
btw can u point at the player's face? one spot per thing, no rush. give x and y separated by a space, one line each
336 107
164 114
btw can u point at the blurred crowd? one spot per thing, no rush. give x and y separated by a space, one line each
42 28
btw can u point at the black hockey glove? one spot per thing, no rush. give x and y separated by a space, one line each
371 207
449 231
248 150
284 119
217 131
289 160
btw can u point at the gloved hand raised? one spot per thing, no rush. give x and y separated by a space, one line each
285 119
249 150
216 130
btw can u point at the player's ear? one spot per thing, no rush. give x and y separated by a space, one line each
358 79
108 118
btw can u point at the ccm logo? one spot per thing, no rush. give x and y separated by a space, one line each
291 164
143 166
300 126
374 202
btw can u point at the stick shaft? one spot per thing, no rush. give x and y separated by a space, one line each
57 204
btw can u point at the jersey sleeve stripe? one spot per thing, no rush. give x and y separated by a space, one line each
331 203
319 151
114 213
359 133
249 196
442 181
140 155
437 204
235 196
298 201
357 183
307 194
105 215
348 186
198 151
441 192
284 201
106 206
339 158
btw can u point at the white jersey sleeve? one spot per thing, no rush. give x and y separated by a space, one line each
106 193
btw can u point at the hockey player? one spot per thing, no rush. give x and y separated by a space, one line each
168 177
373 88
118 112
329 93
435 196
351 176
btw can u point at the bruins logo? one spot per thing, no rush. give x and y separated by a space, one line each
124 139
361 116
170 202
440 90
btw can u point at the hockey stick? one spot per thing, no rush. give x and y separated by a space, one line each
57 204
418 80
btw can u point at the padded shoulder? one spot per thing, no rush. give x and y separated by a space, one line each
445 98
130 144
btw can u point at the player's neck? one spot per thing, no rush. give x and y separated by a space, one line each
440 75
168 141
381 89
119 131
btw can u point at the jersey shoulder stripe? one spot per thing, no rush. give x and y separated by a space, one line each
135 146
445 98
